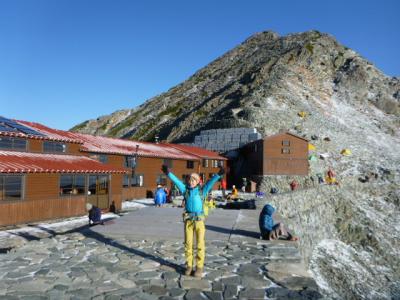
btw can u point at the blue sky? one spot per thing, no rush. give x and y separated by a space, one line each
65 61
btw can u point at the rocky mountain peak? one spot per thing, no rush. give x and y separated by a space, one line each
252 83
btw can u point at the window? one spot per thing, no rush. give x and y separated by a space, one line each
130 162
167 162
185 178
161 179
203 177
220 163
214 163
285 151
72 184
137 180
190 164
92 185
103 158
205 163
125 182
286 143
54 147
10 143
11 187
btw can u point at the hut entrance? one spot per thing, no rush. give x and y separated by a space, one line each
98 191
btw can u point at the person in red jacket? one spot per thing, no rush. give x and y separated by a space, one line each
294 185
223 186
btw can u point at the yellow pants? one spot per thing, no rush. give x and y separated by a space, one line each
195 228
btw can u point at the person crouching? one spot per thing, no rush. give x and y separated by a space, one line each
94 215
270 229
194 195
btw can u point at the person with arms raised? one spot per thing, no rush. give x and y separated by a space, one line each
194 197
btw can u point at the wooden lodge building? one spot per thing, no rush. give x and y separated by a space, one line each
47 173
280 154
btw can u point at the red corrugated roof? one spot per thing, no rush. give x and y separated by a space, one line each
200 152
100 144
50 133
25 162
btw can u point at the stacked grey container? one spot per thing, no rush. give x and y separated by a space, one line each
222 140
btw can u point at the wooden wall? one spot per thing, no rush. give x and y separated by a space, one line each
252 156
36 146
41 202
116 190
278 163
24 211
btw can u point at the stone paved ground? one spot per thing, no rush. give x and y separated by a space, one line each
88 264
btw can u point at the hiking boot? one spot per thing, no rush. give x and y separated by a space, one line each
198 273
188 271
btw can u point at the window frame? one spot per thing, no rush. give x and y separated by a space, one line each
190 164
12 142
53 147
137 175
168 162
3 196
285 150
73 185
205 163
128 161
103 158
128 177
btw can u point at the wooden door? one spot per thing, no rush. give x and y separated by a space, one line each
98 191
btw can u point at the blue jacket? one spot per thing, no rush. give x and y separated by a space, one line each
265 221
194 203
95 214
160 197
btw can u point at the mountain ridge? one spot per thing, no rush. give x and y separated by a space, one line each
215 96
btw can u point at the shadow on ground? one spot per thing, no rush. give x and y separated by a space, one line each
86 231
242 232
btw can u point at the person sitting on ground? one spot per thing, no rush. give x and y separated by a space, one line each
94 214
270 229
331 177
234 195
113 208
193 216
160 197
